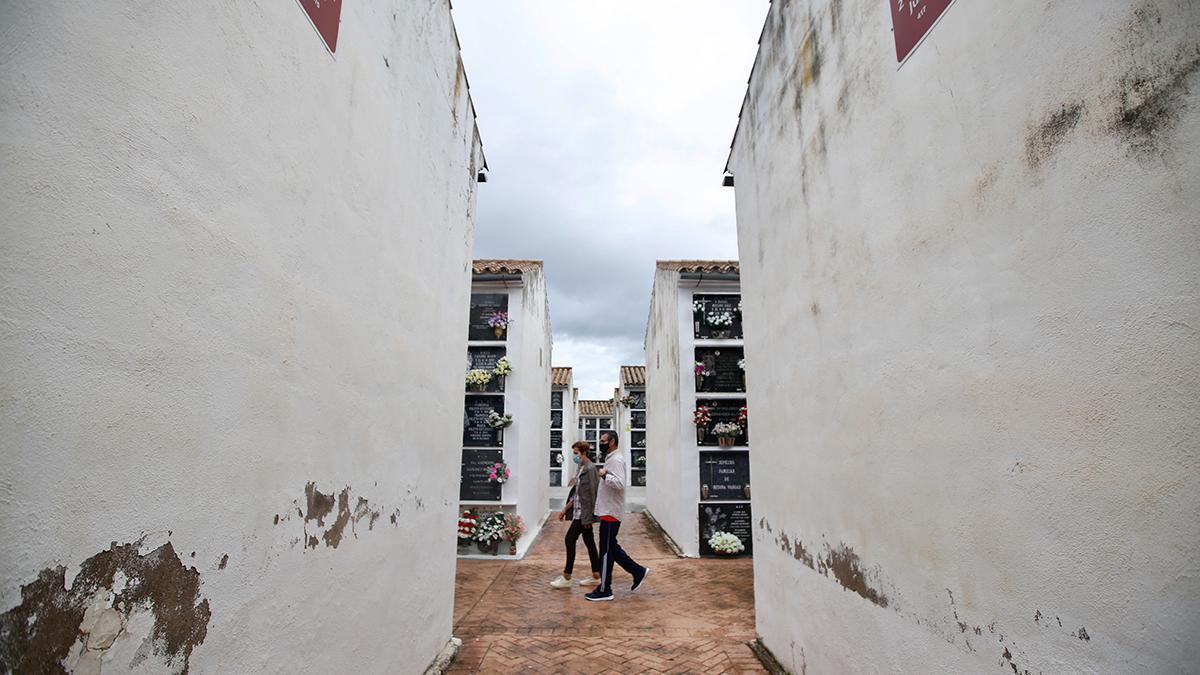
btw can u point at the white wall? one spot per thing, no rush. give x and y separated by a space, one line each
234 267
667 469
971 290
527 399
533 399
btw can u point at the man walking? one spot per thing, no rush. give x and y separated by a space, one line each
610 508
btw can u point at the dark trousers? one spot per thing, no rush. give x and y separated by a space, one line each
589 540
611 552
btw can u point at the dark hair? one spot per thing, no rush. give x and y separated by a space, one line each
582 445
616 441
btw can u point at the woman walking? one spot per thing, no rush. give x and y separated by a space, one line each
581 506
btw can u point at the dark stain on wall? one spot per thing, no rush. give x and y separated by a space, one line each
224 561
1151 100
840 562
848 570
333 536
319 505
1047 134
38 634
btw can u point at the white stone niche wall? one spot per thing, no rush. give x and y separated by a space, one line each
972 294
234 272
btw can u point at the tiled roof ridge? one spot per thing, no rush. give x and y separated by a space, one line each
721 266
504 265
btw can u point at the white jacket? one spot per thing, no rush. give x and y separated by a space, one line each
610 498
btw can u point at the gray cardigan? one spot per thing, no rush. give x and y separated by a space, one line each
585 491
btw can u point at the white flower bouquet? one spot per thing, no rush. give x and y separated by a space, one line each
490 528
726 429
726 543
719 320
478 379
503 367
497 421
697 307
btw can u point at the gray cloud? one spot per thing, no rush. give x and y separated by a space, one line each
606 127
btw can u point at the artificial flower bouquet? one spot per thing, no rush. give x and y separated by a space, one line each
478 379
467 523
498 473
497 421
726 543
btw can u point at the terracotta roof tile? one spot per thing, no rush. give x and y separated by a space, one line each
602 408
710 266
633 376
505 266
560 376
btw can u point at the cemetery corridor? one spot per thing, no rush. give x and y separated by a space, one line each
692 616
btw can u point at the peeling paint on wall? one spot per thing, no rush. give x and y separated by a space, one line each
54 625
320 505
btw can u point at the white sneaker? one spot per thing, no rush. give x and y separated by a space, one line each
562 582
589 581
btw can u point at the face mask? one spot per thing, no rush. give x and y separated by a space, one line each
577 458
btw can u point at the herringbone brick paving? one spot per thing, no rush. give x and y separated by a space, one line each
692 616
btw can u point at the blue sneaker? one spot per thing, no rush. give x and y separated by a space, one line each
599 596
637 582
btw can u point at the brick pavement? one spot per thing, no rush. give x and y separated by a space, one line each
692 616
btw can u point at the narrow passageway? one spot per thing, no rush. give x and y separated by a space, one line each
692 615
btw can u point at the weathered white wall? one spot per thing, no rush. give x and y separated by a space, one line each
234 267
971 290
532 396
667 471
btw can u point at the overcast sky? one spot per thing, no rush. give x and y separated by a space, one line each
606 127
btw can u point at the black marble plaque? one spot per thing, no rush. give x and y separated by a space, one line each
721 410
725 475
556 399
637 440
713 306
732 518
637 459
605 422
555 478
638 477
721 369
476 432
473 485
485 358
637 419
639 400
556 457
483 307
556 419
556 438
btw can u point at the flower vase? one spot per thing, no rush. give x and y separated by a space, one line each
726 441
746 491
699 383
512 549
703 492
487 546
721 334
699 434
500 383
499 331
